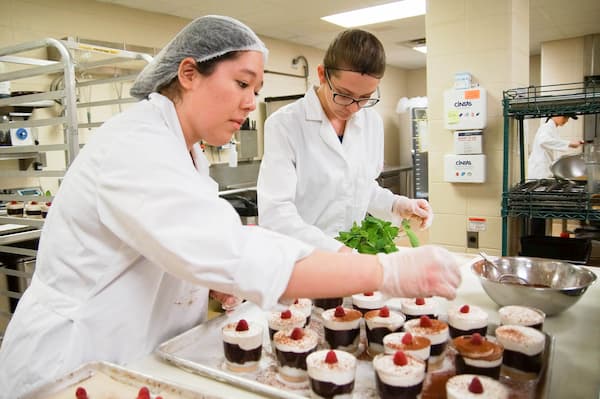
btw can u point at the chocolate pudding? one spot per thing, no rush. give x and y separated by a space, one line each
413 308
292 348
14 209
368 301
399 376
242 344
522 316
304 306
435 330
467 320
380 323
414 345
342 328
523 347
286 320
469 386
331 373
477 355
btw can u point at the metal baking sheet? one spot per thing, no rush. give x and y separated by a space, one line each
200 350
106 380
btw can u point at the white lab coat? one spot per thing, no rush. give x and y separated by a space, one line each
312 186
132 240
546 149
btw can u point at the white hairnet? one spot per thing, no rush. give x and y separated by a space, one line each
202 39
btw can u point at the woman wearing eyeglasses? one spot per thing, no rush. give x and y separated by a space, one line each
323 153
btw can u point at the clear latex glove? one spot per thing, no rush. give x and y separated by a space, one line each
406 208
228 302
420 272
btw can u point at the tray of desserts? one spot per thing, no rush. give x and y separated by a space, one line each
102 380
285 354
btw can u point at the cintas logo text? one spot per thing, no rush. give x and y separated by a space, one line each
463 163
458 104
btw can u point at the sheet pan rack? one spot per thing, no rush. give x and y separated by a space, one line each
529 102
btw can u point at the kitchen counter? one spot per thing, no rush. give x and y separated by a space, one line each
575 370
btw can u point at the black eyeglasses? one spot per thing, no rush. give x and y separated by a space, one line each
346 100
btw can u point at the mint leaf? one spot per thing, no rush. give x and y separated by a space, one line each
372 236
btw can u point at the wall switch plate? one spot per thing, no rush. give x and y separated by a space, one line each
472 239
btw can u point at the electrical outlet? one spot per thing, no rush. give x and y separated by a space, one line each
472 239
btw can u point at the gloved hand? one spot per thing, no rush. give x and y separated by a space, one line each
407 208
228 302
420 272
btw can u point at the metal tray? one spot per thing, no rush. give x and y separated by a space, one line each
200 350
106 380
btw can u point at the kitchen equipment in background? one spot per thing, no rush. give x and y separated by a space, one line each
413 129
569 167
245 204
591 157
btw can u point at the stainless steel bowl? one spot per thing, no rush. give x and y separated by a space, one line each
569 167
553 287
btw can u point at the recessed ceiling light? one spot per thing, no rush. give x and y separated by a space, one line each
376 14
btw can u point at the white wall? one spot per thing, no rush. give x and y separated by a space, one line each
27 20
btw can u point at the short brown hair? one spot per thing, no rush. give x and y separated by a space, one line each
358 51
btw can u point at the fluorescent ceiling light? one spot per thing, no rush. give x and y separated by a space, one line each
421 49
376 14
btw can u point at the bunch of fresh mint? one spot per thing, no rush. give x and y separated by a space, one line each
371 237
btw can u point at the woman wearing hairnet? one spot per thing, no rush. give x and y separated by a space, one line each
324 152
137 234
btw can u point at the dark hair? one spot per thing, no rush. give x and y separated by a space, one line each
205 68
358 51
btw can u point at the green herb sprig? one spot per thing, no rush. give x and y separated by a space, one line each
371 237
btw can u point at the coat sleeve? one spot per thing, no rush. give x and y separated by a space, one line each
155 202
276 188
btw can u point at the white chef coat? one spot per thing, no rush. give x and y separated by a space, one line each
132 240
546 144
312 186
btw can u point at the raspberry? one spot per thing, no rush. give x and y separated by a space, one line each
242 325
286 314
144 393
384 312
297 333
80 393
407 339
339 311
420 301
48 203
33 202
331 358
465 309
476 339
425 321
400 359
475 386
296 302
368 293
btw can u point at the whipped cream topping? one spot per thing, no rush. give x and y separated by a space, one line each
393 322
420 348
285 343
521 339
277 323
399 376
249 339
350 321
410 307
303 306
374 301
520 315
475 318
438 332
457 387
342 372
15 205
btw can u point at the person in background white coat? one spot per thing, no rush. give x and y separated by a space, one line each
547 145
137 234
324 152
